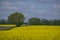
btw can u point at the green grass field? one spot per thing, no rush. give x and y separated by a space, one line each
31 33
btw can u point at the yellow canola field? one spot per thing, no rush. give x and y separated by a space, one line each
31 33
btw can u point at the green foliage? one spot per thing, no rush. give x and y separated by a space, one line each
56 22
2 21
18 24
16 18
44 22
34 21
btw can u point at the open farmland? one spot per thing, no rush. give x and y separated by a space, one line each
31 33
7 25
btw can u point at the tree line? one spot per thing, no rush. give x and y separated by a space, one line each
18 19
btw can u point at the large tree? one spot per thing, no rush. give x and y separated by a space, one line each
16 18
34 21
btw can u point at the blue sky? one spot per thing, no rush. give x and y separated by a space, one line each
43 9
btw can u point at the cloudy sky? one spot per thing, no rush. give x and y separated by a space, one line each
43 9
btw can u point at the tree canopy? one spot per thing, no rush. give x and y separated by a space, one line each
17 18
34 21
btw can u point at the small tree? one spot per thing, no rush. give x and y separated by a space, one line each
2 21
56 22
34 21
44 22
16 18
